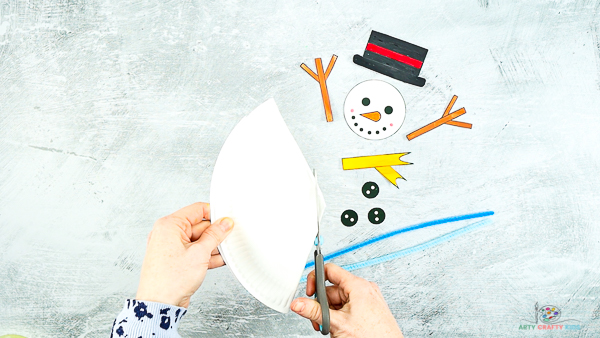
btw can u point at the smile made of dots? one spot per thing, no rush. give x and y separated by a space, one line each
365 103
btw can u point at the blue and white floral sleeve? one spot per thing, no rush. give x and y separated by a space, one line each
141 319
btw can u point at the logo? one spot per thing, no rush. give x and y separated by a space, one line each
548 317
549 314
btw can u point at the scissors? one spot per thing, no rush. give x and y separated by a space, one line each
321 293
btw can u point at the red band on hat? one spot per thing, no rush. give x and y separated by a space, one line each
393 55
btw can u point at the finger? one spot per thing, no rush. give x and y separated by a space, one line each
315 326
194 213
311 309
215 252
338 276
335 295
214 234
310 283
215 261
198 229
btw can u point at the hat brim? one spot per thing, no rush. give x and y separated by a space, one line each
384 69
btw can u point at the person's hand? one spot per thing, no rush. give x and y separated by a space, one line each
357 307
181 247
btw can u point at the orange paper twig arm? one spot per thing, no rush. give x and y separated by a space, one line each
450 105
324 92
436 124
455 123
321 77
460 124
330 66
310 72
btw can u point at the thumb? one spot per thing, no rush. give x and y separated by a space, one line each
215 234
308 308
311 309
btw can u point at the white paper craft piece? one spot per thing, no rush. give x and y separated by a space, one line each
263 182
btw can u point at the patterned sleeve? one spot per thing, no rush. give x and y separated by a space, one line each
141 319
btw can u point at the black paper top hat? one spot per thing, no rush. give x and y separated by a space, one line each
393 57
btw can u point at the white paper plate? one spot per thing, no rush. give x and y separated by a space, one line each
263 182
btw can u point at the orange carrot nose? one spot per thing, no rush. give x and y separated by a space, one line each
373 116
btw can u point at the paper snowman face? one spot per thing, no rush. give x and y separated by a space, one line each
374 109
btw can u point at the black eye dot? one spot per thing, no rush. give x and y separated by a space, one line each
366 101
377 132
384 129
353 117
388 110
356 124
361 129
369 132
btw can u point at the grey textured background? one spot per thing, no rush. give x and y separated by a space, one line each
112 114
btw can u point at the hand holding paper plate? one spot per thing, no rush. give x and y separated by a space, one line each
262 181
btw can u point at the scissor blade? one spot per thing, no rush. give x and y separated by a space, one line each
320 293
317 200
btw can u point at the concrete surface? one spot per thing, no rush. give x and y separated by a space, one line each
112 114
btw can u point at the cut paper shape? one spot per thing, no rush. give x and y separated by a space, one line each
374 110
349 218
452 122
370 190
397 232
445 119
382 163
404 252
321 78
393 57
261 169
376 216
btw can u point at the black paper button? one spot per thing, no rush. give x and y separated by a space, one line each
370 190
349 218
376 215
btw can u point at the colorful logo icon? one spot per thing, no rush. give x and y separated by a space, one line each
548 314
